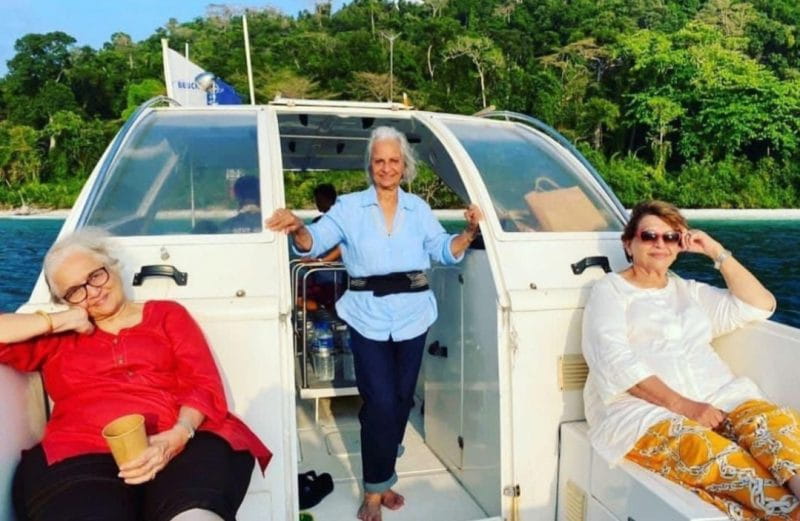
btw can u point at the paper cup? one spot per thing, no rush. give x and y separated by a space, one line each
126 437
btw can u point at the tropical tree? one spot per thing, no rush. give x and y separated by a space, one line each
658 113
483 54
599 114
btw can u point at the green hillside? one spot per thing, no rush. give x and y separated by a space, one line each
690 101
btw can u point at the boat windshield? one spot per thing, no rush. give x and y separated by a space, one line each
182 172
535 183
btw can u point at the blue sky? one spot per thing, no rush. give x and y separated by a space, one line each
92 22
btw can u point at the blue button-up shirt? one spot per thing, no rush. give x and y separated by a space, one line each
356 223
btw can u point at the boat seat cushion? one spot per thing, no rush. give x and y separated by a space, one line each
628 491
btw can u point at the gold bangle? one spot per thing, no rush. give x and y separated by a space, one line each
45 315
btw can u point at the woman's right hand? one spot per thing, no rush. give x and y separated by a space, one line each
73 319
283 220
703 413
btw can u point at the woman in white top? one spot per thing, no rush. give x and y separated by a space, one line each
658 393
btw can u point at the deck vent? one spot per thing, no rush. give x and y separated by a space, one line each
572 372
575 504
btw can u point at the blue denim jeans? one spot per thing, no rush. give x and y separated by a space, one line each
386 375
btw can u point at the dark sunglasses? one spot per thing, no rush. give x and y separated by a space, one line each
671 237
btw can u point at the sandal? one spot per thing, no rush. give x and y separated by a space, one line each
312 488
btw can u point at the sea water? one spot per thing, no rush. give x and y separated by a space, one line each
767 247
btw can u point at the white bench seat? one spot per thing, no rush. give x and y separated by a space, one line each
626 492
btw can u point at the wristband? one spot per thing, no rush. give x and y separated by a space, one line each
187 425
724 254
45 315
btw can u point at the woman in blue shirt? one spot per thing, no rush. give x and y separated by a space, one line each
387 238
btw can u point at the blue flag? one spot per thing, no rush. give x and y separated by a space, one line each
225 94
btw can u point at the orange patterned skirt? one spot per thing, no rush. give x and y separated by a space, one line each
741 467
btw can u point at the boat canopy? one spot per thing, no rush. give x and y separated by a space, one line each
175 169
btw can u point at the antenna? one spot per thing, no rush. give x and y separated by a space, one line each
391 37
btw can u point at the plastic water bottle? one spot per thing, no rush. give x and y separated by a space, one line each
311 334
323 353
342 336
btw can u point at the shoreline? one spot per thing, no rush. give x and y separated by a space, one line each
693 213
34 213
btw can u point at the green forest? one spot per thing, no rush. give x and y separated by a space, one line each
696 102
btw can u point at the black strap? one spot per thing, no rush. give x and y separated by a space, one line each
391 283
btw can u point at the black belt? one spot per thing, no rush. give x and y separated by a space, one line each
382 285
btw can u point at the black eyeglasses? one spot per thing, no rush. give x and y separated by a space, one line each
77 294
671 237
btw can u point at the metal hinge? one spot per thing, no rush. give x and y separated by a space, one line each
511 491
461 442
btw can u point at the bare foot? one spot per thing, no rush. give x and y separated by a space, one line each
392 500
370 509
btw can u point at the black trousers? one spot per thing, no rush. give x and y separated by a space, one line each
207 474
386 375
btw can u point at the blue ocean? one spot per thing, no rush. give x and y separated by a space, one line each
764 246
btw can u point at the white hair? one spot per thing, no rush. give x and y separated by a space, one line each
92 241
391 133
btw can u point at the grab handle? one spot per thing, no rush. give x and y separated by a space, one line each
160 270
586 262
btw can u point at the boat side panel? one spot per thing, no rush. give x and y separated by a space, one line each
539 406
22 419
443 372
481 473
545 259
769 354
462 400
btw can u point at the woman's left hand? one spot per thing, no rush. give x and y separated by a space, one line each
473 215
163 447
698 241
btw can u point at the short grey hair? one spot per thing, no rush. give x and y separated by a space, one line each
391 133
92 241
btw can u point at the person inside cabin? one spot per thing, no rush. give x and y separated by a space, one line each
324 199
246 190
657 392
324 285
387 238
103 357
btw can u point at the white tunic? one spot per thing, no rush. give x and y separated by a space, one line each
631 333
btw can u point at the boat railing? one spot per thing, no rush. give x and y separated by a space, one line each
293 102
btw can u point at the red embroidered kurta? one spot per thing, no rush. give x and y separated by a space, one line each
152 369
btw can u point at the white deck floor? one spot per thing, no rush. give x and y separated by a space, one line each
333 446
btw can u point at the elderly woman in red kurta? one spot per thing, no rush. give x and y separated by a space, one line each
104 357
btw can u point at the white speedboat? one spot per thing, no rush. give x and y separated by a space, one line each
500 431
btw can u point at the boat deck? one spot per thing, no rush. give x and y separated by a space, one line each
333 445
